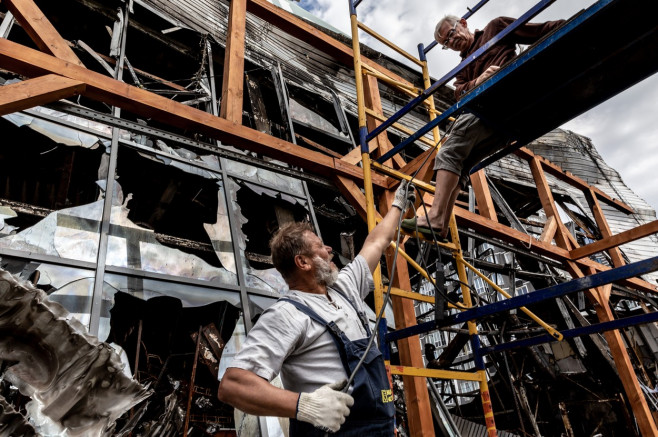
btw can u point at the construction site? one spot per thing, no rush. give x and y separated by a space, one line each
151 149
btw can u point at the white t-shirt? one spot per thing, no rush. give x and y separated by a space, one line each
287 341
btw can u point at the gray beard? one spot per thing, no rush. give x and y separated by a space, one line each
325 273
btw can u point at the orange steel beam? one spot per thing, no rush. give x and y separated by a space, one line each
573 180
602 222
39 91
40 30
600 299
467 219
547 202
232 81
31 63
616 240
483 195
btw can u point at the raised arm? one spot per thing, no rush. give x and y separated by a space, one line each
382 235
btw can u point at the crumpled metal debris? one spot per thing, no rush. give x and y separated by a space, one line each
77 378
12 423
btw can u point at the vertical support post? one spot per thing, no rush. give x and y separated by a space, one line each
138 349
245 305
373 100
101 257
232 81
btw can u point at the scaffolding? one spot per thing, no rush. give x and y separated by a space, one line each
54 72
546 101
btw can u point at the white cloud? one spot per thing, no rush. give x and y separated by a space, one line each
624 129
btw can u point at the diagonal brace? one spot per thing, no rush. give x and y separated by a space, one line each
584 283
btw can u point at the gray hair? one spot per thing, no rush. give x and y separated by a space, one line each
451 19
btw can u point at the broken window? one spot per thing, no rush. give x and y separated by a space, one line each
170 217
49 187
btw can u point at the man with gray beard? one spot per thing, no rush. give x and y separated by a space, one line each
314 337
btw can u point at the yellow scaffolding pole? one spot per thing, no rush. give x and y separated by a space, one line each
479 375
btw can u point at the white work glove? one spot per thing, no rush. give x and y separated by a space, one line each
404 198
326 408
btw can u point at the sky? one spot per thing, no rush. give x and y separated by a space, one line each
624 129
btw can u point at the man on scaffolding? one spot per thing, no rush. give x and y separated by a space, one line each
470 139
315 336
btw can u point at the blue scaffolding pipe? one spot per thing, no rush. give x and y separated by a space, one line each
461 105
474 9
575 332
584 283
436 85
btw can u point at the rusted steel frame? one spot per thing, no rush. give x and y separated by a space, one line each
31 63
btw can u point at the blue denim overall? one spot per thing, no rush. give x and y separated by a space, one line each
372 414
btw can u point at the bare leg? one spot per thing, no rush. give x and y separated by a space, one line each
447 189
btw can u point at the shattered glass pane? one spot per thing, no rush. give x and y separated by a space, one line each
49 192
190 295
173 218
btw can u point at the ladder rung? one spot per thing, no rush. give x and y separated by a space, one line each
389 43
435 373
410 90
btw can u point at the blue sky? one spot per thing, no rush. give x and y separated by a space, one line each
624 129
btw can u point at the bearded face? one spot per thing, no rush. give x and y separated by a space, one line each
326 272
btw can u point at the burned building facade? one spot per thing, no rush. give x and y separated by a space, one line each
147 216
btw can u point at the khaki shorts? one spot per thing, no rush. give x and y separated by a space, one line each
469 142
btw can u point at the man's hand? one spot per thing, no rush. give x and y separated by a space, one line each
404 197
487 73
326 408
